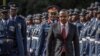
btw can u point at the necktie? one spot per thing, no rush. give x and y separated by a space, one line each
64 37
63 32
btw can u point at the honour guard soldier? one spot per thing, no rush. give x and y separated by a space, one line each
9 38
97 42
92 32
21 24
35 32
83 22
30 27
75 17
70 14
97 35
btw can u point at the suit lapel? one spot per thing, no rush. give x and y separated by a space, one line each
57 30
69 30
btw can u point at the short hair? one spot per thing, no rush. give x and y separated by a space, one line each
52 6
64 11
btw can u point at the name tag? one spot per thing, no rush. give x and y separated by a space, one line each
12 28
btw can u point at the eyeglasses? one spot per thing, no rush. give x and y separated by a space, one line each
53 13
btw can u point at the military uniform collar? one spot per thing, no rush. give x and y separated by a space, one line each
93 18
96 19
5 21
11 18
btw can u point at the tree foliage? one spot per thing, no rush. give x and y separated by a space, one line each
37 6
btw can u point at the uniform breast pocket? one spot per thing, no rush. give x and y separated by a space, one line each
12 28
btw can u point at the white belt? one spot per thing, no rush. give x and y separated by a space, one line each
97 42
35 38
88 38
80 41
28 38
83 39
31 50
92 39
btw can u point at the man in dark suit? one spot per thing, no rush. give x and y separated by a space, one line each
62 38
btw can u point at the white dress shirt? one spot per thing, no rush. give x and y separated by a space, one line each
66 27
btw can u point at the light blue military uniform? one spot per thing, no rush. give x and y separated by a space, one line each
83 39
92 34
10 32
34 35
97 42
29 37
42 41
97 38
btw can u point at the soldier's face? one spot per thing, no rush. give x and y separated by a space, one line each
69 19
74 18
30 21
87 17
63 17
13 12
94 13
82 18
90 13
